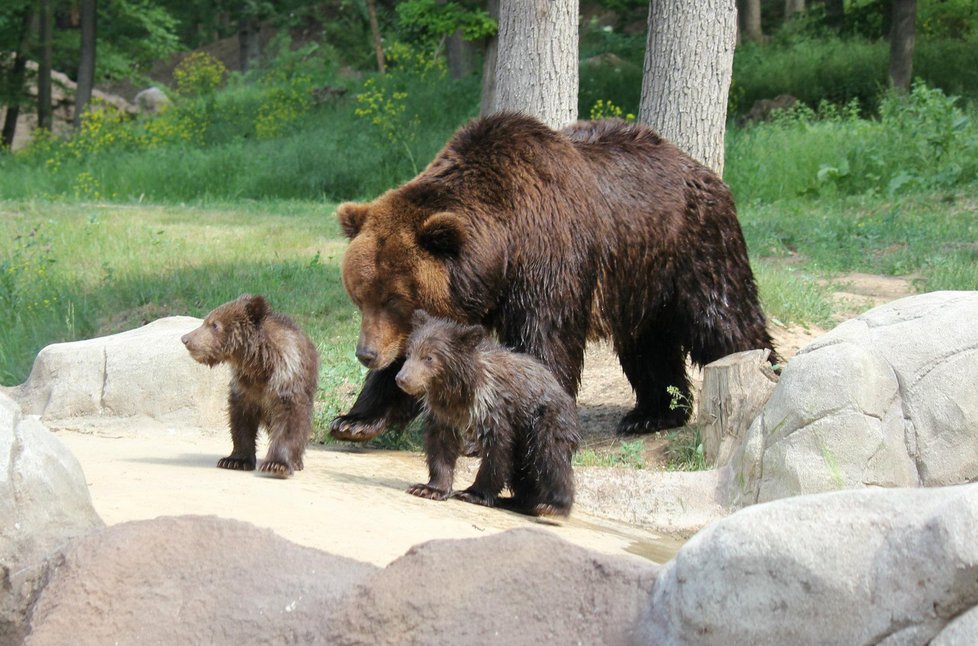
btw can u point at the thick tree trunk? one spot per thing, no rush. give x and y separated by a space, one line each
45 116
489 64
902 36
18 74
791 7
375 34
688 65
249 41
458 52
86 60
537 60
749 13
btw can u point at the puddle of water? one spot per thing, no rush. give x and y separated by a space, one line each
657 551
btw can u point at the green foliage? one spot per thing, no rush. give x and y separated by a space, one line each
199 74
684 451
427 22
627 454
607 110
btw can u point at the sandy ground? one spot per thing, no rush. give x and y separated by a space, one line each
348 501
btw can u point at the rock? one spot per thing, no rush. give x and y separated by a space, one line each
144 373
192 580
763 108
854 567
44 502
522 586
152 100
886 399
960 631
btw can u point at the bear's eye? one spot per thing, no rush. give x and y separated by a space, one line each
215 326
428 359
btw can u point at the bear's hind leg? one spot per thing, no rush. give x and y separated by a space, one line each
289 428
244 417
653 361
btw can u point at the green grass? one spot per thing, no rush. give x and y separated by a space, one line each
627 454
80 270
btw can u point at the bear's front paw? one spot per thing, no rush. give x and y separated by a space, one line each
352 429
639 422
236 464
426 491
550 509
476 497
275 469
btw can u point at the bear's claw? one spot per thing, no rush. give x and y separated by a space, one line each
424 491
275 469
236 464
638 423
352 429
475 497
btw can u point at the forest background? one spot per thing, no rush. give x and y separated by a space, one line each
231 187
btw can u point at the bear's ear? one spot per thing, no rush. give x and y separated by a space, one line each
472 335
442 234
256 308
419 318
352 215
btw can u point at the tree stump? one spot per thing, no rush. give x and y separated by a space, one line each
735 390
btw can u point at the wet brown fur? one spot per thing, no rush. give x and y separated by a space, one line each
523 423
550 238
274 375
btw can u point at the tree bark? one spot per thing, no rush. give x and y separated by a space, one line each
902 37
735 391
375 34
45 116
86 60
18 74
537 60
688 66
489 64
249 41
791 7
458 52
749 14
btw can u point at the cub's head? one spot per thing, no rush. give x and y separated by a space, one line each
398 260
226 330
435 350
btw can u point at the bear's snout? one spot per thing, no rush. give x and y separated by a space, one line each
185 339
366 356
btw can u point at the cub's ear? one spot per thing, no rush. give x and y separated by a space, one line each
419 318
256 307
472 335
352 215
442 234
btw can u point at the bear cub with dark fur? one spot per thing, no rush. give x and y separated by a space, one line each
274 375
509 404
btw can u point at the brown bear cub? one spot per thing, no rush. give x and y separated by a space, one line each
274 375
509 404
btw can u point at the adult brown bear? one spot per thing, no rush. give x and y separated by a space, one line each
551 238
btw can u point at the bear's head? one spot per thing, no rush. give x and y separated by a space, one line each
438 352
399 259
227 331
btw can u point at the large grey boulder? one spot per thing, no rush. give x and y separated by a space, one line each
192 580
887 399
145 374
854 567
44 502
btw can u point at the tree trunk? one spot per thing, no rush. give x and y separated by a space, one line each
489 64
45 116
902 36
688 65
791 7
835 13
749 13
249 41
86 61
537 60
375 33
15 90
458 52
735 391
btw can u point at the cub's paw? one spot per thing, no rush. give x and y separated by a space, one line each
275 469
476 497
640 422
352 429
425 491
550 509
236 464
